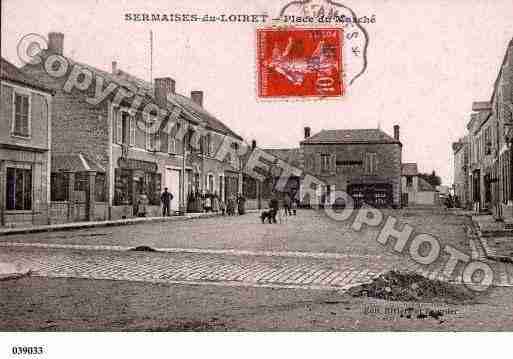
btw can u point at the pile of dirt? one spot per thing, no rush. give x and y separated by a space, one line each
412 287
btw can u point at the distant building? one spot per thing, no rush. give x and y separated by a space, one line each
461 171
416 190
365 163
25 144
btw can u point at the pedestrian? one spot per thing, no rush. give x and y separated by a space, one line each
241 204
166 198
287 203
207 204
275 207
215 202
294 206
142 203
222 206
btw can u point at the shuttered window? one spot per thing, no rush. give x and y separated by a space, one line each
21 115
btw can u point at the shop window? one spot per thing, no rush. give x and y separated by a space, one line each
21 120
58 186
18 189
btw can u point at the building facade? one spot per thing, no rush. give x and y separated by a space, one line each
365 163
25 138
490 139
416 191
108 142
461 175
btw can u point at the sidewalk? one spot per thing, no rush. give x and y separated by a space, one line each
118 222
495 238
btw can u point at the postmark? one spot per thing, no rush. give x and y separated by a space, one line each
300 62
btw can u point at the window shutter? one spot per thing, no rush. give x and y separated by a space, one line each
119 127
333 164
132 130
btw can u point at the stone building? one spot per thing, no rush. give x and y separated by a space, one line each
100 131
366 163
461 175
25 137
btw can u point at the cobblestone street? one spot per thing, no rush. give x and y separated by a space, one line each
310 252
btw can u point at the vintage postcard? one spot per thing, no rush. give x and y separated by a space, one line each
267 165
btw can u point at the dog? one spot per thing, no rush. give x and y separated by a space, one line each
269 215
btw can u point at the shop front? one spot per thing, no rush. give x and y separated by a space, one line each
134 179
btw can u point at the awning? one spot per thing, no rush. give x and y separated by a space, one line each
76 162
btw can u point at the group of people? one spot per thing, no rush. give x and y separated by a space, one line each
208 202
288 203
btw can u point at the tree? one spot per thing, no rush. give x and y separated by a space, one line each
432 178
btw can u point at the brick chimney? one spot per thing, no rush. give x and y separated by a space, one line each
396 132
163 87
307 132
114 67
197 96
56 42
253 144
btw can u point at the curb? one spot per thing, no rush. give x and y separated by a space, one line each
489 252
119 222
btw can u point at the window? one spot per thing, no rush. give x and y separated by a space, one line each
409 181
125 128
370 163
325 162
21 121
152 136
18 189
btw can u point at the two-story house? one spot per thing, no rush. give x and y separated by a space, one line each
25 138
366 163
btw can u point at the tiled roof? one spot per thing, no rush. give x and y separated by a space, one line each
11 73
137 85
192 107
75 162
409 169
292 156
372 135
425 186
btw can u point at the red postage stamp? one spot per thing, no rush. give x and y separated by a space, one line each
299 62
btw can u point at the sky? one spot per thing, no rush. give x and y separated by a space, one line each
428 60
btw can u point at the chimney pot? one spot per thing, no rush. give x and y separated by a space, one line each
114 67
56 42
163 87
197 96
396 132
307 132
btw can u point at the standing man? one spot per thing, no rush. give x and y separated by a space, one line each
274 206
166 198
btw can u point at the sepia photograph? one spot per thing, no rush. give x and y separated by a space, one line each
310 167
